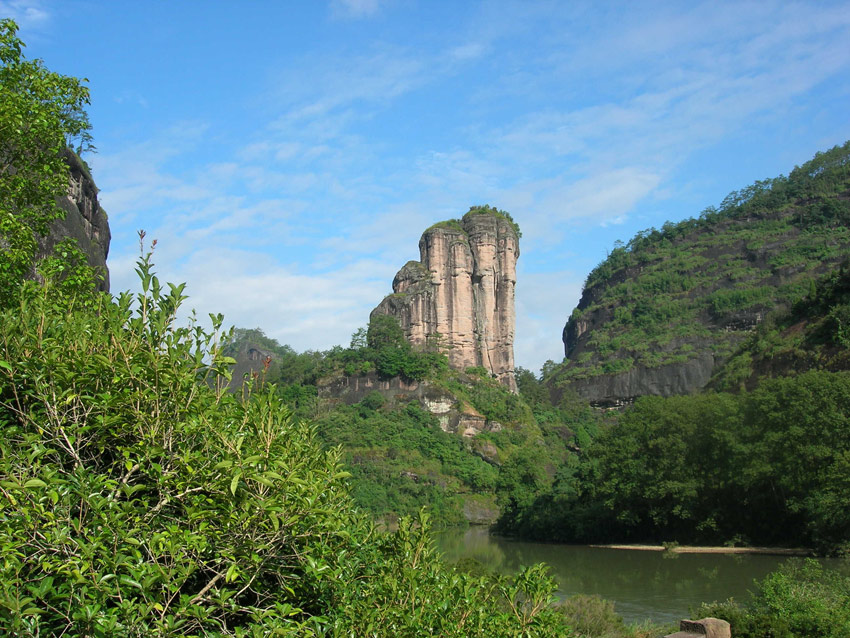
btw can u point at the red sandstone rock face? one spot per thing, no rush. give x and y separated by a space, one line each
461 293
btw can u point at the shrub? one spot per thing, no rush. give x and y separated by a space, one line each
800 600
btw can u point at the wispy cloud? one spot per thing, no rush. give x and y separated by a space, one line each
354 8
27 13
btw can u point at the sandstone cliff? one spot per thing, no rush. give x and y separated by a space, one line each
84 220
459 296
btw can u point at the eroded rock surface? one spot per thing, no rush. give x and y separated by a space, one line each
84 220
459 296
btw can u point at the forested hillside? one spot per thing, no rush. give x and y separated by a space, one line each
666 309
739 320
813 334
402 453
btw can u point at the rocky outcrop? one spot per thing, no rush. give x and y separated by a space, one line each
84 221
253 362
459 296
621 389
454 416
705 628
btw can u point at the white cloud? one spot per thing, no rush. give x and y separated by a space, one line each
334 84
465 52
307 311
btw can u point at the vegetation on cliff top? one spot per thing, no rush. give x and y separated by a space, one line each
485 209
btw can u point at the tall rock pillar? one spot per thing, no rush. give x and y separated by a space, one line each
460 293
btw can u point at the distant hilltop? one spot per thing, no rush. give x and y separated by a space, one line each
459 296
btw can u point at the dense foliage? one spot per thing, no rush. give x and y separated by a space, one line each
380 349
400 461
141 498
699 285
815 334
768 466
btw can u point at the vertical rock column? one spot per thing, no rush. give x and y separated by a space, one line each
495 249
462 289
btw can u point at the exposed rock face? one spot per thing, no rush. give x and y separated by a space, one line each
460 294
84 220
252 361
618 390
453 417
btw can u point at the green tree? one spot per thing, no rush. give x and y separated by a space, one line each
41 114
799 437
385 331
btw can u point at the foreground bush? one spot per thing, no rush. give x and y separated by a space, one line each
594 617
800 600
139 498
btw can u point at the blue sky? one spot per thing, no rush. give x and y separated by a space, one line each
288 155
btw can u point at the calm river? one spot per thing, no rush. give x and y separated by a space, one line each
643 585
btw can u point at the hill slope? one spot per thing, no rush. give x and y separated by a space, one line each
664 311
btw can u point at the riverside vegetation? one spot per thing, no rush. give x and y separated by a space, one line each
139 497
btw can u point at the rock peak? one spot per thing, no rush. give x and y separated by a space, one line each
460 294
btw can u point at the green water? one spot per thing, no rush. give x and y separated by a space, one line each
643 585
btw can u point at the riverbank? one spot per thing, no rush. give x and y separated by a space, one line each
693 549
656 585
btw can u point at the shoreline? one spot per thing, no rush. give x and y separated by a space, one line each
695 549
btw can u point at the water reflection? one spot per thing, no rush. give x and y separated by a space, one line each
655 585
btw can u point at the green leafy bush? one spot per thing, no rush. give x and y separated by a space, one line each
141 498
800 600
